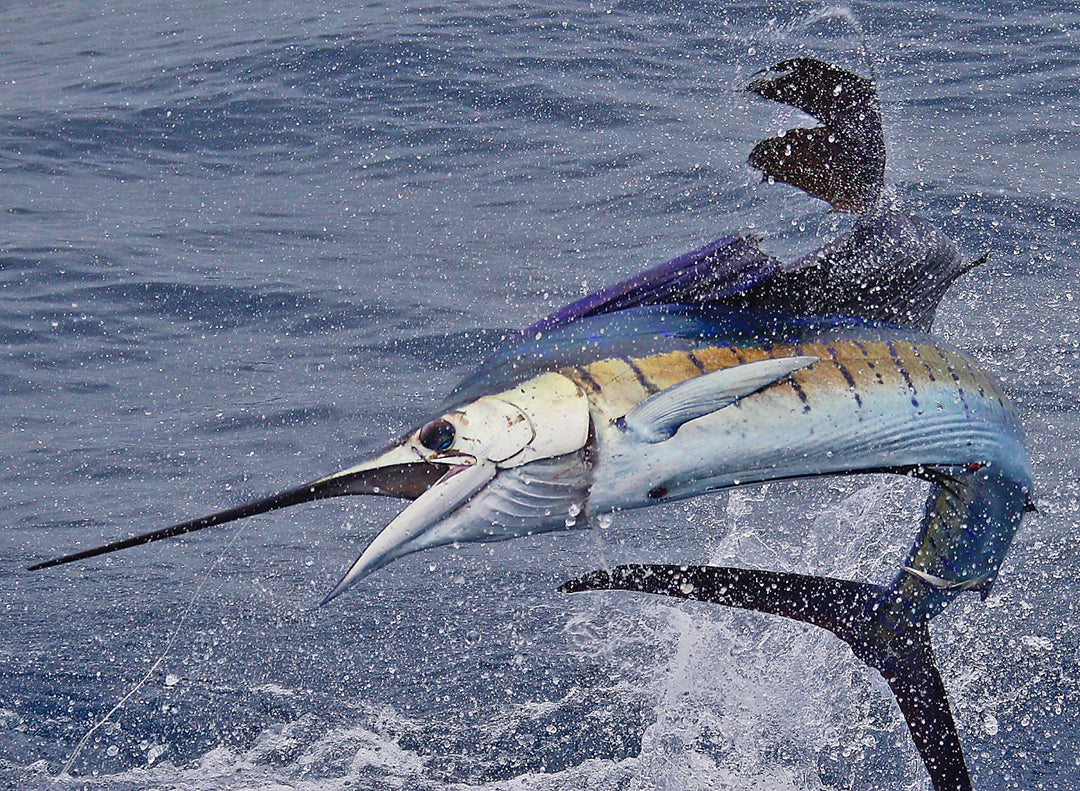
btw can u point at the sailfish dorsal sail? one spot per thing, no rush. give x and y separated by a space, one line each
891 267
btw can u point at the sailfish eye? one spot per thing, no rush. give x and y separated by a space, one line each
437 435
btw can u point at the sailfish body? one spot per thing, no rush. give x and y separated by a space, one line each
719 368
726 367
684 401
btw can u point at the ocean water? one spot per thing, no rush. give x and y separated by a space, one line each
244 243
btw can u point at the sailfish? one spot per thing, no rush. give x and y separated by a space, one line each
720 368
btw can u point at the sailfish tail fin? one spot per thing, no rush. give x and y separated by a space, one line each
850 610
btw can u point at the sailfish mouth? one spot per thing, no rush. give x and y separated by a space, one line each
499 467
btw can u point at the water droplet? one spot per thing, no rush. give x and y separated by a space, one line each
472 637
990 723
172 680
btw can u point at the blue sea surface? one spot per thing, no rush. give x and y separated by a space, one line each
242 244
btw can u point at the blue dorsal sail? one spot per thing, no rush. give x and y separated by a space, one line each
890 267
719 270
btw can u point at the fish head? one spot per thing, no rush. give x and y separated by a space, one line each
509 464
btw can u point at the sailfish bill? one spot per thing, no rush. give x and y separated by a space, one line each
404 481
855 612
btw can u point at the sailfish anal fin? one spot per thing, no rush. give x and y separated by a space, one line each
659 416
847 609
979 583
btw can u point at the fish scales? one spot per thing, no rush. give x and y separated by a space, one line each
856 367
871 401
613 381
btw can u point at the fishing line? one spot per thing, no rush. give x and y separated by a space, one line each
157 662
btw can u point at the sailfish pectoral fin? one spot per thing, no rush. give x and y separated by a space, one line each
659 416
847 609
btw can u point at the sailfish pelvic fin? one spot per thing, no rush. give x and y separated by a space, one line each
851 611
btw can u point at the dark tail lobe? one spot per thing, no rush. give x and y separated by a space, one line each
850 610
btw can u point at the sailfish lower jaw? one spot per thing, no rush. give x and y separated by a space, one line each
489 505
